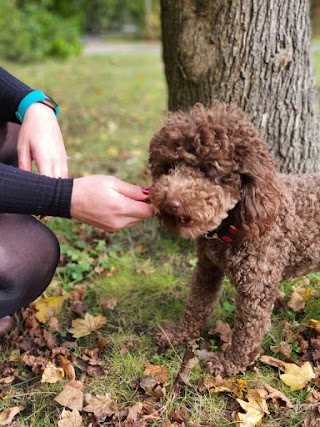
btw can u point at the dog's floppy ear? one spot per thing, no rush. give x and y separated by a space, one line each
260 188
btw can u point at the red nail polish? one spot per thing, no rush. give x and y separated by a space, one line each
146 191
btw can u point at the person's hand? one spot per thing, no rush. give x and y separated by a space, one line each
108 203
40 140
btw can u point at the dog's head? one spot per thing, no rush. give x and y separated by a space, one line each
207 163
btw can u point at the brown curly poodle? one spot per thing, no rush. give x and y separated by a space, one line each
215 182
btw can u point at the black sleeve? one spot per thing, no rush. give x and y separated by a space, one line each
12 91
28 193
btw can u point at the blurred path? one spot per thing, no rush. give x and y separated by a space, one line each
95 46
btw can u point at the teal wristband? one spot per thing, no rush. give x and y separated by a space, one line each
31 98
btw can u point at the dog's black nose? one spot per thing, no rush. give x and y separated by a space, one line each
173 204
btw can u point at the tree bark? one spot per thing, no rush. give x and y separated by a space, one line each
255 53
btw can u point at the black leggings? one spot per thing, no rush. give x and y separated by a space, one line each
29 251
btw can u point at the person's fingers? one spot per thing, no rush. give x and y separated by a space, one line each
134 192
24 158
139 209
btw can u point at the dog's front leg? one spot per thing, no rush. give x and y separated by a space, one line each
205 284
254 305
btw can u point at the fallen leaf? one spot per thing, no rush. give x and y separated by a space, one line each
272 361
52 374
188 363
109 303
70 419
270 393
152 387
83 327
159 373
296 302
48 307
232 386
7 415
101 406
284 348
297 377
134 411
224 330
37 363
180 416
255 408
67 367
313 323
70 397
7 380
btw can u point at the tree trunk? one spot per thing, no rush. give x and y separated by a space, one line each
255 53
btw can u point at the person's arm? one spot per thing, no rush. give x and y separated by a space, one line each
98 200
28 193
12 91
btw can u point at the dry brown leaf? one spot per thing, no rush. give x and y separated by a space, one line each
159 373
270 393
67 367
224 330
54 325
152 387
297 377
134 411
109 303
180 416
272 361
7 380
47 307
7 415
52 374
83 327
284 348
70 397
70 419
101 406
255 409
37 363
188 363
296 302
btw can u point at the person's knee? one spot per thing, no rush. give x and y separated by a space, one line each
29 276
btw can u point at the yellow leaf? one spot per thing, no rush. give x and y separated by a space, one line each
48 307
297 377
70 419
7 416
83 327
230 386
52 374
313 323
255 409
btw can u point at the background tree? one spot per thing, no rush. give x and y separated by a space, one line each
255 53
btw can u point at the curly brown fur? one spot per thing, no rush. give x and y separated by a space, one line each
210 168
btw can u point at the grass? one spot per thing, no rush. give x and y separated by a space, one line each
111 105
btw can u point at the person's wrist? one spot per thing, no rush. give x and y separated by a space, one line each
33 97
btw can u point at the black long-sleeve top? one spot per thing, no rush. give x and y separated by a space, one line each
21 191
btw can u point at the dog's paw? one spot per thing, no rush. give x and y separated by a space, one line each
218 363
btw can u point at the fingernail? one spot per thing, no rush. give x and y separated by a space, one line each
146 191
